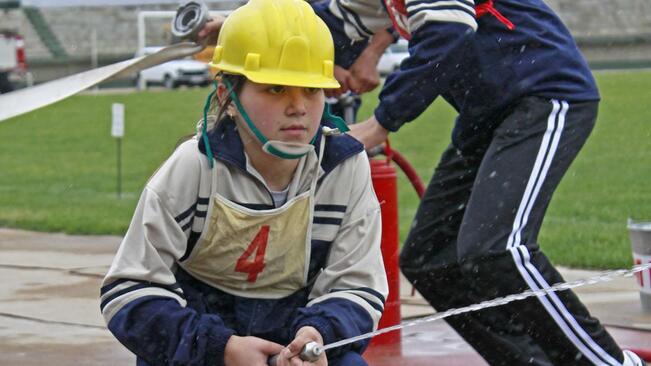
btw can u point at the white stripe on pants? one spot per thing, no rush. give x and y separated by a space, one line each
534 279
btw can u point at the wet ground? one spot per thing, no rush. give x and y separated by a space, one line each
49 309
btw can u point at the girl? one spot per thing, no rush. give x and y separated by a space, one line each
263 230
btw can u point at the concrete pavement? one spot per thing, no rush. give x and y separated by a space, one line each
49 308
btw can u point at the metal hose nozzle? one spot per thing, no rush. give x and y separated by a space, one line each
310 352
190 18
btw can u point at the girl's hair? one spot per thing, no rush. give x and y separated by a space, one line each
216 109
219 109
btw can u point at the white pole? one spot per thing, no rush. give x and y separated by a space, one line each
93 53
117 131
141 29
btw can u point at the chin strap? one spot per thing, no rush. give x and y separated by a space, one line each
336 120
204 127
271 147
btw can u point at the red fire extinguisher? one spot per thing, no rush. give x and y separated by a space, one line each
384 179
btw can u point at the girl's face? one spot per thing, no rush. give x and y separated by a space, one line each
284 113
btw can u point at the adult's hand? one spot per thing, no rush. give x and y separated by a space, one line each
208 34
290 355
365 76
370 132
249 351
343 77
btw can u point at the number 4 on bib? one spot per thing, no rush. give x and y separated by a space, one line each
255 266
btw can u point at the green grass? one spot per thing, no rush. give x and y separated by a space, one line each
58 166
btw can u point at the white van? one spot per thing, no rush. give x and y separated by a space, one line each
173 73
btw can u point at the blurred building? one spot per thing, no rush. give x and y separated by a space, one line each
611 33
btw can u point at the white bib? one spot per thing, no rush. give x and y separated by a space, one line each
256 253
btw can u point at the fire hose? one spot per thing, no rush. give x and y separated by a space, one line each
188 21
402 163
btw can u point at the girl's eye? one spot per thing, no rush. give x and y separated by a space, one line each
312 90
276 89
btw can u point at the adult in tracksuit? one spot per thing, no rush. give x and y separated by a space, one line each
262 232
526 103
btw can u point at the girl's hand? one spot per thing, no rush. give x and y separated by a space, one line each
289 355
249 351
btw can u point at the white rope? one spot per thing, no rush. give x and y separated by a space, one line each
602 277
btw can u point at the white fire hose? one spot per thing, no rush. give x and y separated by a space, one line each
188 21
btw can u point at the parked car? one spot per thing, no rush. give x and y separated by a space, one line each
173 73
392 57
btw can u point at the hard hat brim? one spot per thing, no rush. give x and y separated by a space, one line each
276 77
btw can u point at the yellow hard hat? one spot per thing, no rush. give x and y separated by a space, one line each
280 42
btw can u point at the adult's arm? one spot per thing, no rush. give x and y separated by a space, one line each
440 31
